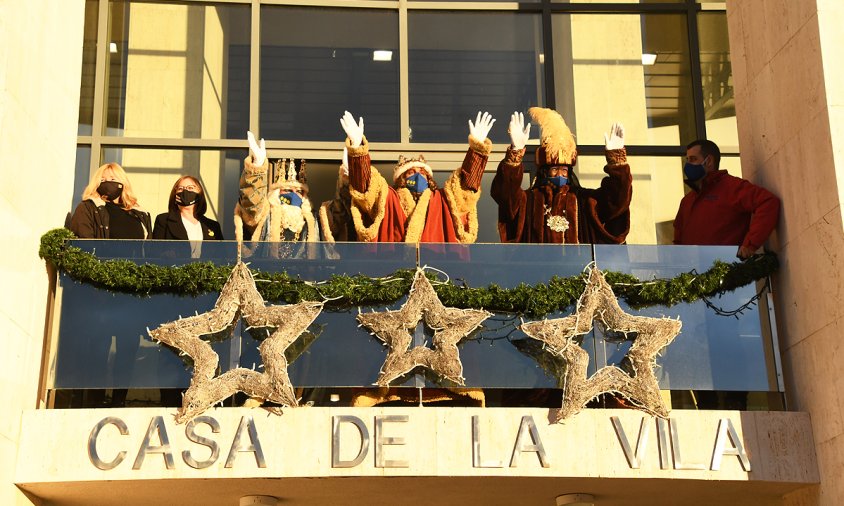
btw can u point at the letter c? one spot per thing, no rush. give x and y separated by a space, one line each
92 443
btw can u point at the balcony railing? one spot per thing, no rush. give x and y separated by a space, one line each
102 344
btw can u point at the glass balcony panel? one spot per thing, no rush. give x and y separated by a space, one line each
464 62
712 352
318 62
103 335
178 70
103 341
500 355
334 351
631 68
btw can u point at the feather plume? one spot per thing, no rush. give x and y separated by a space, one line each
556 138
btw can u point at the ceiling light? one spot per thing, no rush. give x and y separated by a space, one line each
258 500
648 58
576 500
112 47
541 58
382 55
334 398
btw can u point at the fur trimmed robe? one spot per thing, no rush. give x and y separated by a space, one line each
335 216
595 216
258 217
381 213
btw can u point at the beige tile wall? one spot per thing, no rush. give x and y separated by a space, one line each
40 64
789 86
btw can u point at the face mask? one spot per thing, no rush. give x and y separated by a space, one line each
291 199
693 171
186 198
558 181
110 190
417 183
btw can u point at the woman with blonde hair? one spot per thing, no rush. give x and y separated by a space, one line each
109 208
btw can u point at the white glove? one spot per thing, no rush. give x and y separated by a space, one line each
614 139
519 133
483 124
352 129
258 151
345 163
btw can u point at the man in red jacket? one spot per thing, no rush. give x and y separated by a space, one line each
722 209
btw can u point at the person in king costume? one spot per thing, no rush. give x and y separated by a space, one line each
335 215
413 209
269 210
556 209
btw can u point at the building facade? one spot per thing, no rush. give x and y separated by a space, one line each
167 88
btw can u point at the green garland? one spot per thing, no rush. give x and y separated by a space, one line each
347 291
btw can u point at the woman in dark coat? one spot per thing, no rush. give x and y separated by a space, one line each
185 219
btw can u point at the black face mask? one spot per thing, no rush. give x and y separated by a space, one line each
110 190
186 198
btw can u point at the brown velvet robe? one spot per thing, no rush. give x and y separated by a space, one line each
382 213
596 216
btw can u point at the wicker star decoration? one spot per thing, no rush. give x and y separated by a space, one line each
239 297
450 326
598 303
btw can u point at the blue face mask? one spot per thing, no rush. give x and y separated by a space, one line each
694 171
417 183
291 199
558 181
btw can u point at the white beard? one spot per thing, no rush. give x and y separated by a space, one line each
292 217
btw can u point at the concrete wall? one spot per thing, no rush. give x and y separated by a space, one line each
790 104
40 69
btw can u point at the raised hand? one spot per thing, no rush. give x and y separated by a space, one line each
345 163
519 132
353 130
258 151
483 124
614 139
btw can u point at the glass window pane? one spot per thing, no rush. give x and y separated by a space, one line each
717 75
318 62
624 67
618 1
178 71
81 174
89 61
463 62
153 172
657 190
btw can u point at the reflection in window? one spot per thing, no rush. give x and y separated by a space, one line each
657 191
152 173
318 62
172 69
81 174
89 60
463 62
618 1
624 67
717 75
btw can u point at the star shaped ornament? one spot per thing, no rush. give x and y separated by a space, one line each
238 298
598 304
396 328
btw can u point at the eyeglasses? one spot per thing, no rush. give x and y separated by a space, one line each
190 188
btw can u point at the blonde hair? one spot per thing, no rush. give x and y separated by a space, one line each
127 198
